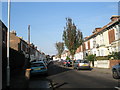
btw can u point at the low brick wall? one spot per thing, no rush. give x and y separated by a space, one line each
113 62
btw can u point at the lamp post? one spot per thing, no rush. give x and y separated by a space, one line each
8 45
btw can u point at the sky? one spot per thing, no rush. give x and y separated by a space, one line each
47 19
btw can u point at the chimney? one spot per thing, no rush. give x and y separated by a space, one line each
114 17
97 30
13 32
21 37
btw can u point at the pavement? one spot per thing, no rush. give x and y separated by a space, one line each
42 84
19 81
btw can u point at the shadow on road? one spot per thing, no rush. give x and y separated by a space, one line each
39 80
54 68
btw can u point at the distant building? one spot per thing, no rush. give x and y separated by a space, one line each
65 54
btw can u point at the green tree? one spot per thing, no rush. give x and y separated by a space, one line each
91 58
60 48
67 58
72 37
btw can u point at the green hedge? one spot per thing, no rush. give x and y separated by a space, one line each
102 58
114 55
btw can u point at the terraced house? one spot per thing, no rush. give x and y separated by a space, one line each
103 41
18 44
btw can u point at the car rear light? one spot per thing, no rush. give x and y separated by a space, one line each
79 64
28 69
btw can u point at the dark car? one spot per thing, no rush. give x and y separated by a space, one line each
116 71
81 64
67 63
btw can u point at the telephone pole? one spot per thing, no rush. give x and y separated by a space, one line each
29 42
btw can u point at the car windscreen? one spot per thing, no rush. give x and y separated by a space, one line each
37 64
84 61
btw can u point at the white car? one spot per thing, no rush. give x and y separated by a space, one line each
116 71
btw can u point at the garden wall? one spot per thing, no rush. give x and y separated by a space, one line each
102 63
113 62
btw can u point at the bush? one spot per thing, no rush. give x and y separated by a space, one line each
115 55
102 58
67 58
91 57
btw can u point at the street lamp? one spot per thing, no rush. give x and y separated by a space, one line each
8 46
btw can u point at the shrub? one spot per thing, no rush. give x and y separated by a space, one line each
102 58
91 57
115 55
67 58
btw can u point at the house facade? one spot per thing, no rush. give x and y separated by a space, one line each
18 44
103 41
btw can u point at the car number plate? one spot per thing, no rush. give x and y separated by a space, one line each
37 69
85 65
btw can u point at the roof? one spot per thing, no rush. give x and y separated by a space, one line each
102 29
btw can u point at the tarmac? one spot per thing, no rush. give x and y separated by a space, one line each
102 70
21 82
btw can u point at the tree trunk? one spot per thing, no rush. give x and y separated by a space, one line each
72 60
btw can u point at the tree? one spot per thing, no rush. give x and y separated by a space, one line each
91 58
60 48
72 37
67 58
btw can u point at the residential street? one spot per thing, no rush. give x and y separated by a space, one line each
61 77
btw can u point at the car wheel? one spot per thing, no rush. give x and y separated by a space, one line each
115 74
74 68
77 68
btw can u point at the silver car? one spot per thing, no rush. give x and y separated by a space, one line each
116 71
81 64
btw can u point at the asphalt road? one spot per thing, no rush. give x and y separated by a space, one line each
62 77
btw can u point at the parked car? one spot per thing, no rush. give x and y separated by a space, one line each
67 63
38 67
116 71
81 64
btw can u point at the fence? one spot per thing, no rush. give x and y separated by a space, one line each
105 63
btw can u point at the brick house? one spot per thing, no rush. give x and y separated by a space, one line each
17 43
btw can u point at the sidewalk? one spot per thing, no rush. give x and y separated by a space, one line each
40 84
19 81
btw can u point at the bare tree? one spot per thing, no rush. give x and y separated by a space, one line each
60 48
